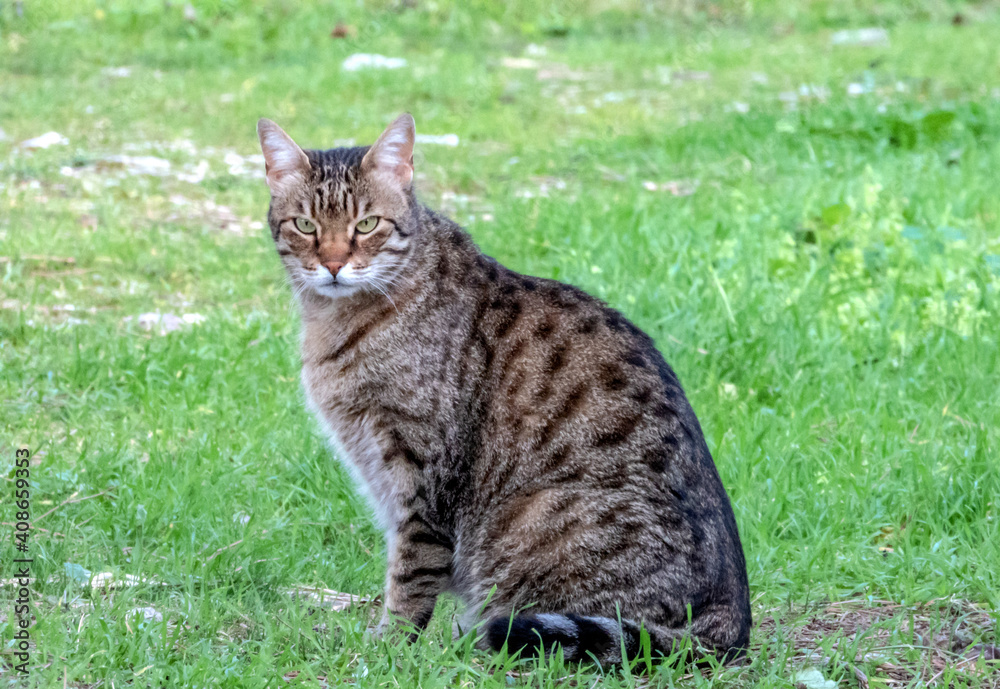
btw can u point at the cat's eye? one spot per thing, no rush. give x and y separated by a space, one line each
367 225
305 226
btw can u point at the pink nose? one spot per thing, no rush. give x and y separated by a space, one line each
334 267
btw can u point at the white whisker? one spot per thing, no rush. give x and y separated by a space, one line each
374 284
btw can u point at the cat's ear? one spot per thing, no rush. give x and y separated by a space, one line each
285 163
393 152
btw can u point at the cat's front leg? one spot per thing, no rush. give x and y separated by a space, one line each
420 567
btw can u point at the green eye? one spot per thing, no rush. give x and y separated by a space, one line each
305 225
367 225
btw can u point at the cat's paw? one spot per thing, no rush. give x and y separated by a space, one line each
391 628
379 631
469 628
374 634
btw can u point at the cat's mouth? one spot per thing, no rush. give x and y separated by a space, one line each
321 282
326 280
331 287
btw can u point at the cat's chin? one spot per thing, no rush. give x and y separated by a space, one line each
335 290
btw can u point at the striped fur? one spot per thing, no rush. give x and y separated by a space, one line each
521 443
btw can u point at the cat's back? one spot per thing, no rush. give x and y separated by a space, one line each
566 373
591 464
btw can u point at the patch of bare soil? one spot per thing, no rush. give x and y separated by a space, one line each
884 644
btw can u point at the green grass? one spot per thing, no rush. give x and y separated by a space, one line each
829 295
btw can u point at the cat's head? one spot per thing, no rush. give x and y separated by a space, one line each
343 220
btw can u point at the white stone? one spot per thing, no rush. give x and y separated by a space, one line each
45 140
440 139
117 72
360 61
142 165
148 614
867 37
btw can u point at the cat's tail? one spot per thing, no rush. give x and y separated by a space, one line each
580 637
599 638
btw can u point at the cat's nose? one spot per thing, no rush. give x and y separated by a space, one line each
334 267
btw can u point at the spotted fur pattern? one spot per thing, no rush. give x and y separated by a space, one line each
523 445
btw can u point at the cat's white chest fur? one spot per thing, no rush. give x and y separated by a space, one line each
356 444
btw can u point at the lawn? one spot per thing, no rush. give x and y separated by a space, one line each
806 219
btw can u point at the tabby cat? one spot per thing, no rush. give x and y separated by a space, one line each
522 445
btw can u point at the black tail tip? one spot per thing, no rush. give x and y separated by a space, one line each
521 635
579 637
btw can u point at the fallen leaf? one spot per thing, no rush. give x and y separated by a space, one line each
327 599
76 572
342 30
861 677
812 678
